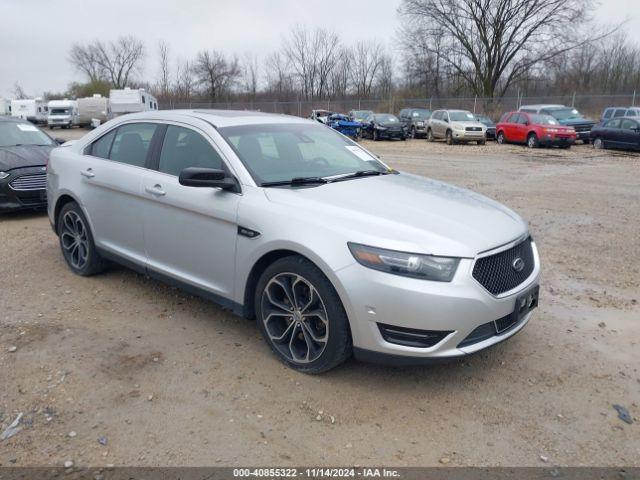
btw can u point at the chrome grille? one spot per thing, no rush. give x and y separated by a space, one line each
36 181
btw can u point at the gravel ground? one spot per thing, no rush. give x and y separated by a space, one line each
120 369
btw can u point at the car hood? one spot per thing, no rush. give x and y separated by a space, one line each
389 124
405 212
26 156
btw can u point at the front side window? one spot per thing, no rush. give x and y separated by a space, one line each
131 143
274 153
184 148
628 124
102 147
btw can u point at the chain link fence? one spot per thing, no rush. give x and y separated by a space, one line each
589 105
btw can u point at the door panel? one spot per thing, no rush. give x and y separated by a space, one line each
190 232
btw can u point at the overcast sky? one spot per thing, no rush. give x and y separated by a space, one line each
35 35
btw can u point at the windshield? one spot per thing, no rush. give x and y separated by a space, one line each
13 134
483 119
543 120
461 116
386 118
421 113
362 114
274 153
564 113
60 111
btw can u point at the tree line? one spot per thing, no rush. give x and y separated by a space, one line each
443 48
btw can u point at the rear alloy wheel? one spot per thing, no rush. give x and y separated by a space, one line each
501 140
598 144
532 141
76 241
449 137
301 316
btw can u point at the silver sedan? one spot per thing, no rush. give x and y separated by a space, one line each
286 221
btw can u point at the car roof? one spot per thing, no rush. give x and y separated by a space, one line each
218 118
544 105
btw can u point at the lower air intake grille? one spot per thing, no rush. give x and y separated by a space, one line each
411 337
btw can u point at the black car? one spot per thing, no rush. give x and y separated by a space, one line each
487 122
381 126
359 115
24 152
621 132
415 120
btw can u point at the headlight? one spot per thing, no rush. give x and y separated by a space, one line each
551 130
380 127
426 267
4 175
457 126
420 124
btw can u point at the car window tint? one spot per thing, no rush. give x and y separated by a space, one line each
628 124
184 148
523 119
613 123
102 146
620 112
132 143
528 110
607 113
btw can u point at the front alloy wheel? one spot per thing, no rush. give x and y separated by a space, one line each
295 318
301 316
501 139
598 144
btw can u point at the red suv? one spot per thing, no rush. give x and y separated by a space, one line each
534 129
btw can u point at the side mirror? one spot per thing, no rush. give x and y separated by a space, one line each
207 178
446 120
59 141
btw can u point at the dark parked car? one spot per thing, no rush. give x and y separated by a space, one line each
359 115
24 152
622 132
415 120
381 126
616 112
487 122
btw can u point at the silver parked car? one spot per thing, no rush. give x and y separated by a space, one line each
287 221
456 126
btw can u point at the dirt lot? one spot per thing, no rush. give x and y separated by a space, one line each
163 378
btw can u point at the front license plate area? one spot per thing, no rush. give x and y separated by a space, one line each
525 302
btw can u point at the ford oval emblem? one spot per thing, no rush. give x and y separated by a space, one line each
518 264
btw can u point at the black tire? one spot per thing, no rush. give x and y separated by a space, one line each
84 260
429 135
412 132
482 142
501 139
449 137
532 140
337 344
375 137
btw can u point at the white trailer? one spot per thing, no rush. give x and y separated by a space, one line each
5 106
94 110
63 114
131 100
31 109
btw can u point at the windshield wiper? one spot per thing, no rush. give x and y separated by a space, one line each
359 173
296 181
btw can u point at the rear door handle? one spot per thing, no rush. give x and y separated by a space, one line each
155 190
88 173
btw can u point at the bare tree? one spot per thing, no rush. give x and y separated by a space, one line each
116 61
493 43
251 74
367 60
184 83
341 74
215 73
164 74
385 78
18 92
278 77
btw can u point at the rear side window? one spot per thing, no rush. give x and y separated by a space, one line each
102 146
607 113
523 119
619 112
132 142
628 124
184 148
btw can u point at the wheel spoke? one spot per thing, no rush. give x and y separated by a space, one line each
308 330
288 291
285 336
277 303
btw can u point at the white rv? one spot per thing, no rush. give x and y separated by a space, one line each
131 100
5 106
94 110
31 109
63 114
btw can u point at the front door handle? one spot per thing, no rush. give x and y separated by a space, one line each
88 173
155 190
